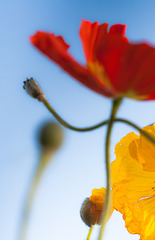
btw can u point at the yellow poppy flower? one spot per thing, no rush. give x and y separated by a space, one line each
133 176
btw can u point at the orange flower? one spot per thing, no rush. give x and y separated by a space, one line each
92 207
133 174
115 68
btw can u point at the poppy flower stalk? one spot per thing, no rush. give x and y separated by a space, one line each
108 196
89 233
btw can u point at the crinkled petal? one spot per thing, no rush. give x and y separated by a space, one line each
139 217
130 173
143 150
98 199
133 184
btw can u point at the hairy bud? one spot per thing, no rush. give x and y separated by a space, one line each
92 207
89 213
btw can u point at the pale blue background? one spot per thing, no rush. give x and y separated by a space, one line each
78 167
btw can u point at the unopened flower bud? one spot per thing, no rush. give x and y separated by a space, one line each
51 136
33 89
92 207
89 214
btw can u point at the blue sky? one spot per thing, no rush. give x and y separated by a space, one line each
79 166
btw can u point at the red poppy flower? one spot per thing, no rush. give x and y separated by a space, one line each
115 68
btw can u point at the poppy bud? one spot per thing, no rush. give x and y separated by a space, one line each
92 207
51 136
33 89
89 214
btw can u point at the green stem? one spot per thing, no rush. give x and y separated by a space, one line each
108 197
145 134
89 233
67 125
31 194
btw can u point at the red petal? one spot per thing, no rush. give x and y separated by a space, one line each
150 97
118 29
144 79
91 35
130 67
106 48
88 33
111 56
137 72
56 49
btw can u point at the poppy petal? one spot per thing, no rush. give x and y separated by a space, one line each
88 33
118 29
56 49
138 69
133 183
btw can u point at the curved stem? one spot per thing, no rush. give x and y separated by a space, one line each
101 124
89 233
31 194
69 126
108 197
145 134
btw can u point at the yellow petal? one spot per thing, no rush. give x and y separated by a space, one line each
98 197
147 150
133 184
98 200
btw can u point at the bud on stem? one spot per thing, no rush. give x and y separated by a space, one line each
33 89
